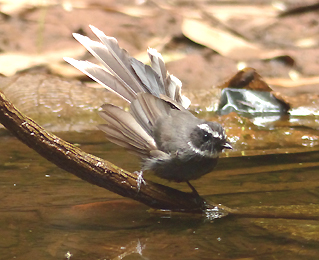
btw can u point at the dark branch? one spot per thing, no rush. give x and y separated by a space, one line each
95 170
104 174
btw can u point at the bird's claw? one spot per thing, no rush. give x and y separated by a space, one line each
140 180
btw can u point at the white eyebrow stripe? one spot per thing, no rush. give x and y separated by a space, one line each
206 127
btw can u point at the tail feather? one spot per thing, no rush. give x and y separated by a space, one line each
125 123
120 139
137 112
158 64
172 85
149 77
116 68
125 71
152 107
118 53
103 77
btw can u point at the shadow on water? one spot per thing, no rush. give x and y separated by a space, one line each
47 213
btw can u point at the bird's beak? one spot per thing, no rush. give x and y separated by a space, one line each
227 145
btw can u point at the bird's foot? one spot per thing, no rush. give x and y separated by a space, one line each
140 180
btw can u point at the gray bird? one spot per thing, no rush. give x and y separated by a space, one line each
170 140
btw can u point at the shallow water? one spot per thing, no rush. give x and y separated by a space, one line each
47 213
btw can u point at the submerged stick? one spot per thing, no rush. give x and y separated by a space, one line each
98 171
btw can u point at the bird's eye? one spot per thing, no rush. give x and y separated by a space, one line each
206 137
201 139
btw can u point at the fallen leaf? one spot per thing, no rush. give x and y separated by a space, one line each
247 78
11 7
225 43
231 10
289 83
20 61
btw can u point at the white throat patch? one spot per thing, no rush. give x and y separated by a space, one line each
206 153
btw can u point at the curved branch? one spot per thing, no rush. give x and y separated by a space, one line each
98 171
104 174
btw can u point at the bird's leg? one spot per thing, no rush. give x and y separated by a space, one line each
140 180
194 191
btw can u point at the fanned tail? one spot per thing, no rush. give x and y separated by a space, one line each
151 90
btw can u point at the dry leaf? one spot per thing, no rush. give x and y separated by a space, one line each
140 11
247 78
288 83
11 7
134 11
243 10
225 43
19 61
251 17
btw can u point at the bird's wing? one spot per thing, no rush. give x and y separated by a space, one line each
124 130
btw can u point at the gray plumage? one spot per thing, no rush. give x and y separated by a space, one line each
171 141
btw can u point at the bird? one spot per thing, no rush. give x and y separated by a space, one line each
172 142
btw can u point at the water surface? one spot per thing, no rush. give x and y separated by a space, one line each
47 213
